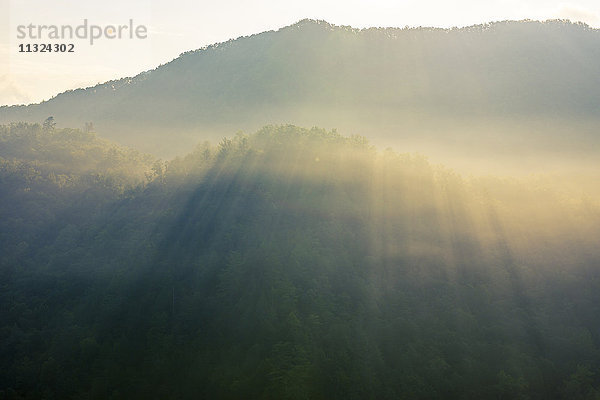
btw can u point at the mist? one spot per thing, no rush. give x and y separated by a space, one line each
315 212
287 260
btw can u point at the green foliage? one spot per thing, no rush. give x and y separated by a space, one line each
70 151
291 263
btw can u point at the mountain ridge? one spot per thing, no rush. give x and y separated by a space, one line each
380 82
305 21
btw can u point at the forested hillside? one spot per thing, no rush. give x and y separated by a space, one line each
289 263
52 180
501 93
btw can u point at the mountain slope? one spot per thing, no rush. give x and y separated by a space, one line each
497 87
299 263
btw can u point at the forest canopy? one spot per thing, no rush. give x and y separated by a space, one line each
288 263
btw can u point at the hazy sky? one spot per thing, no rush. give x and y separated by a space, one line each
176 26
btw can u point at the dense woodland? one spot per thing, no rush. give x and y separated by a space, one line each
289 263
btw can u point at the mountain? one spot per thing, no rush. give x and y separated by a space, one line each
488 91
289 263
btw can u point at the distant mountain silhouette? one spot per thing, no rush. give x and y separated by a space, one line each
486 89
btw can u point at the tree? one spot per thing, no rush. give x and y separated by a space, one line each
49 124
88 127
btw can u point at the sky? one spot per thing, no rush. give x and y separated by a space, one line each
176 26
